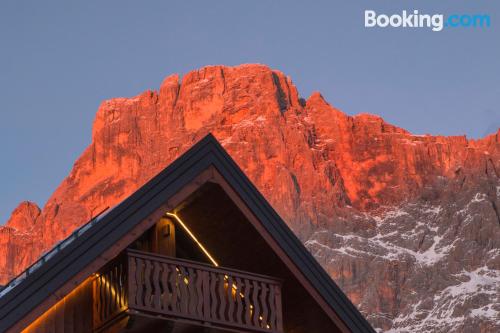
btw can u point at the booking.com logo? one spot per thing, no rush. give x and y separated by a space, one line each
436 22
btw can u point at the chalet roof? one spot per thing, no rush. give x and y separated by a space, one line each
73 254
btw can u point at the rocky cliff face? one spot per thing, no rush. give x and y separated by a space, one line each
407 225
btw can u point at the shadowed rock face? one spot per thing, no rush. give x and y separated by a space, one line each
407 225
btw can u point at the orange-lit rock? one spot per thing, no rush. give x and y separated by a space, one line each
19 244
320 168
24 217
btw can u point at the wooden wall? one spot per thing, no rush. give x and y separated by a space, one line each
72 314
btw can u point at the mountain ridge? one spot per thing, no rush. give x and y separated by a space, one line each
334 178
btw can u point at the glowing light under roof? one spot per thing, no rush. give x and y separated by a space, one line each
184 226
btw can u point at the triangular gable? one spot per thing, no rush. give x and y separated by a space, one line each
74 262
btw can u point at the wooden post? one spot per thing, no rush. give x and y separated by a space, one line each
163 237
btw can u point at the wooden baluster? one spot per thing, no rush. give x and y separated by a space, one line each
265 308
122 285
255 303
118 288
221 292
230 299
94 301
199 291
97 300
121 295
123 281
101 299
239 304
132 281
104 298
109 293
248 304
114 291
149 288
184 299
192 299
156 283
206 295
279 314
213 295
272 307
174 281
140 281
164 284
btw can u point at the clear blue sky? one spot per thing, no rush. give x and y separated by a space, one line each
58 61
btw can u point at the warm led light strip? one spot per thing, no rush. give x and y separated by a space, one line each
177 218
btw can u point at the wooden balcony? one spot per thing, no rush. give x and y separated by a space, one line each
155 286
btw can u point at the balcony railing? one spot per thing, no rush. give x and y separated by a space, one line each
180 289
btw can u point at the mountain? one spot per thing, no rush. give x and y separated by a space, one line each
408 225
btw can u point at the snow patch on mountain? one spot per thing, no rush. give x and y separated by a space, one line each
469 288
448 292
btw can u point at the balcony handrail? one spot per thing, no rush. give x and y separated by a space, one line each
193 291
206 267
